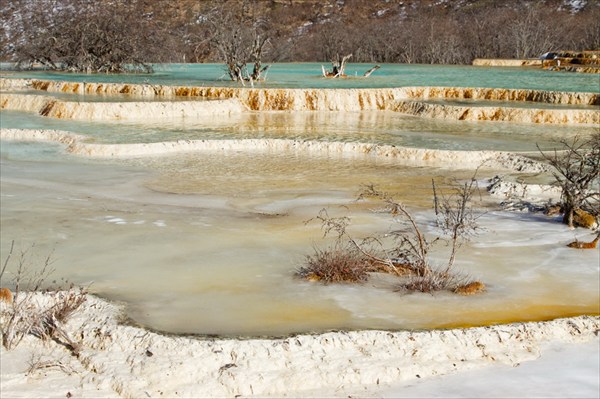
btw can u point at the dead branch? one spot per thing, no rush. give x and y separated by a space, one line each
576 170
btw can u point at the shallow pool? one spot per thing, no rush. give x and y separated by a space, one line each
208 242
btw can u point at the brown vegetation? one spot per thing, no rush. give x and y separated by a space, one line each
576 170
403 252
26 314
6 296
585 245
409 31
335 265
470 288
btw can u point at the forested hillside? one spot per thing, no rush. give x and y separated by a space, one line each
91 32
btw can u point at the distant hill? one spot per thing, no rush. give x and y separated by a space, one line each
410 31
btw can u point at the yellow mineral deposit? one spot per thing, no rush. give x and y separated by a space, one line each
311 99
470 288
6 296
53 108
584 219
223 103
504 114
584 245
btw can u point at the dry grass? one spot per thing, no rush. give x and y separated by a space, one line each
442 281
30 314
403 251
341 263
471 288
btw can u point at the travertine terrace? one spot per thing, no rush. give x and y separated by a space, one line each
410 100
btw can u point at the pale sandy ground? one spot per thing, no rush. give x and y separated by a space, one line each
545 359
562 371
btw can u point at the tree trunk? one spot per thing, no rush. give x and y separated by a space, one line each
370 71
338 67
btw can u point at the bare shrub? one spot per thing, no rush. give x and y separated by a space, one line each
402 251
455 216
43 317
576 170
341 263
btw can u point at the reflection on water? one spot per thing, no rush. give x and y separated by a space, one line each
379 127
208 242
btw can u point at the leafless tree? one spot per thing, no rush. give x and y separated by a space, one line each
576 169
86 36
240 34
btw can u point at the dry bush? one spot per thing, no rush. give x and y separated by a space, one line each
43 317
576 170
402 251
341 263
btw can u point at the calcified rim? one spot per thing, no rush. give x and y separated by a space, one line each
308 98
176 110
75 144
141 361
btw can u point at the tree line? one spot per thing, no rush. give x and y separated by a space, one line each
109 36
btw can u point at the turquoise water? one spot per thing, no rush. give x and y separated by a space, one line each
376 127
390 75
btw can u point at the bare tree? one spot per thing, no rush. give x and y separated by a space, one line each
86 36
338 67
240 36
576 169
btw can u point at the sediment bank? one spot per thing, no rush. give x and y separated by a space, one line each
133 362
495 113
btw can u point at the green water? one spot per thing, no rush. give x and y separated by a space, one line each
378 127
308 75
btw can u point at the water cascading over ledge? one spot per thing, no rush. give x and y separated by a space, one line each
495 113
131 111
309 99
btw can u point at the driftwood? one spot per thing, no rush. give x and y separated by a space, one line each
338 68
370 71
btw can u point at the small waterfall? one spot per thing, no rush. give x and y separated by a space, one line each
48 106
309 99
504 114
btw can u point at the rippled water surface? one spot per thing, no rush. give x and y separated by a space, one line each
208 242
